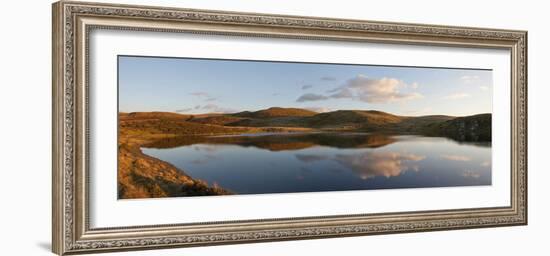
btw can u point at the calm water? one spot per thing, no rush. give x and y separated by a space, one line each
286 163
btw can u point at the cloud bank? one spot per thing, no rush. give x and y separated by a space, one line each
370 90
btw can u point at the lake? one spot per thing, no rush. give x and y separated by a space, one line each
311 162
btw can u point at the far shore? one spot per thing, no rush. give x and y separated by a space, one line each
142 176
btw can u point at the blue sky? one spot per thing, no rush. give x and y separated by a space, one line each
195 86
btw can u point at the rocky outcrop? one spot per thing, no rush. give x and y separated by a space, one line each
469 128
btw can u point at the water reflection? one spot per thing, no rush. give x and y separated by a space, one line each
283 163
387 164
456 158
281 142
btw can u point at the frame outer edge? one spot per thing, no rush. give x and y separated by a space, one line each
65 196
525 107
57 130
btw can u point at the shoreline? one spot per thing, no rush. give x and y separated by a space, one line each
142 176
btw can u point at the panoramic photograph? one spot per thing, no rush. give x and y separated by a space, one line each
203 127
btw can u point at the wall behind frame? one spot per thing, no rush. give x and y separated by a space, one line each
25 105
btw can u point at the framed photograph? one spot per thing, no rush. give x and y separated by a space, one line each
179 127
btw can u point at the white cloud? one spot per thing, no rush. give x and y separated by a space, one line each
383 90
484 88
456 96
370 90
311 97
386 164
342 93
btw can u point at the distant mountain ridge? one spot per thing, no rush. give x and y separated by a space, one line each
467 128
276 112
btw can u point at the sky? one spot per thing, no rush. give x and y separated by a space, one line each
196 86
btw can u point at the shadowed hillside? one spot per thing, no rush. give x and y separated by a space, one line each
469 128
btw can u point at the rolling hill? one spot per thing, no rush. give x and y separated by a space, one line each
276 112
353 118
141 176
276 119
469 128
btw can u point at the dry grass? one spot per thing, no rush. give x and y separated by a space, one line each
142 176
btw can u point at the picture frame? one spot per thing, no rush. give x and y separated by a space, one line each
73 23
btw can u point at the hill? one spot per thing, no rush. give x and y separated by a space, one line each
216 119
275 119
166 124
341 119
276 112
353 118
469 128
141 176
417 124
152 115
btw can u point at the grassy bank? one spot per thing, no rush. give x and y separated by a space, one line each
142 176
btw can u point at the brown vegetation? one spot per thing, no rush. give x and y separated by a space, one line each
142 176
276 112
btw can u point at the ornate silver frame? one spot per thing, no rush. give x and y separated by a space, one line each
72 21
